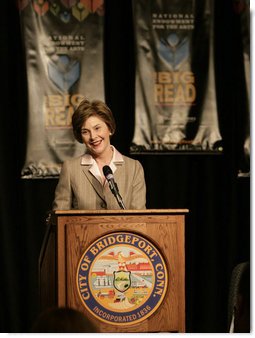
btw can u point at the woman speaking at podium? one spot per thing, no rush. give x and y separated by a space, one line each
102 178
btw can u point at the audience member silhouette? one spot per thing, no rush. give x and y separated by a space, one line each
63 320
242 306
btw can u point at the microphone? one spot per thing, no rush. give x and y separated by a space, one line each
113 185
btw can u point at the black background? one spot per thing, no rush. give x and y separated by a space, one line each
218 224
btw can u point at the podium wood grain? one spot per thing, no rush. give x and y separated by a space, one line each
72 232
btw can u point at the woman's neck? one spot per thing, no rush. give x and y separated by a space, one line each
105 158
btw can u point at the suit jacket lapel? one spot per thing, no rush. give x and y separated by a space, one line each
118 175
94 182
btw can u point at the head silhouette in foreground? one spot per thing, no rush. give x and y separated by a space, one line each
63 320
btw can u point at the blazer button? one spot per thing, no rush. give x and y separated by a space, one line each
103 205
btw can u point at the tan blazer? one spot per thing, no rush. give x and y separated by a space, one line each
79 189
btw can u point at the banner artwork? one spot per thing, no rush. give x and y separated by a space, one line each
176 106
63 44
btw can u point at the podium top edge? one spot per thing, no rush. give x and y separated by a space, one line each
125 212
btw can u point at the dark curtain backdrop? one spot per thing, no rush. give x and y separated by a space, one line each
218 225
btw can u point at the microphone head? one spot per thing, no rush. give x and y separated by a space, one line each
107 172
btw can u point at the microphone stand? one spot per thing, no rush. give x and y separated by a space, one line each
119 200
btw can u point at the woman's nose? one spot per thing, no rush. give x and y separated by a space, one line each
92 134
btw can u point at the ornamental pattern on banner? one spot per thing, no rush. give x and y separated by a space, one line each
175 107
63 43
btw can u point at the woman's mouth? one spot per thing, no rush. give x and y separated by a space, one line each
95 143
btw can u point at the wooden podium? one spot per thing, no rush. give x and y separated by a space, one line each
70 233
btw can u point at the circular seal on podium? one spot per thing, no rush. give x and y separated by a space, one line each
122 278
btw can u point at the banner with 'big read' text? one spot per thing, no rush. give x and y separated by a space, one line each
63 44
175 96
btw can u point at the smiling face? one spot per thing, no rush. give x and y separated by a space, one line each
96 136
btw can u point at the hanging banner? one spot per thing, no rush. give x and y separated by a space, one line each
242 10
175 99
63 43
